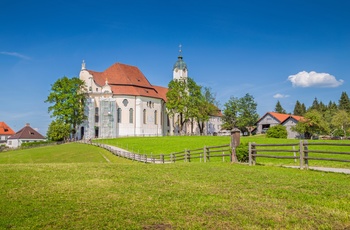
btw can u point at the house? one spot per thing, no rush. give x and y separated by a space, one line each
272 118
122 102
26 134
5 132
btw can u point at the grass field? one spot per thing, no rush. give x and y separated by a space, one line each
73 186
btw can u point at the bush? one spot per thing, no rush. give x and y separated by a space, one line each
277 131
35 144
242 152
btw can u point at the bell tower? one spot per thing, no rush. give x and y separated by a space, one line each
180 71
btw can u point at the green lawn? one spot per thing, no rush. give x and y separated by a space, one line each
73 186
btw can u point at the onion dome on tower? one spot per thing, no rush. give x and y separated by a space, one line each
180 68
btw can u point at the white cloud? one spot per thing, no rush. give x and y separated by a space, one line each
278 95
313 79
14 54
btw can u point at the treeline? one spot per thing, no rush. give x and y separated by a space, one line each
322 119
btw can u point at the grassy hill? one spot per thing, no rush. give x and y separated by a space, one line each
73 186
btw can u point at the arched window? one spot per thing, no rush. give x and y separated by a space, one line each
119 115
131 115
144 116
155 117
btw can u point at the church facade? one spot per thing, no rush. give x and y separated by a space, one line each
122 102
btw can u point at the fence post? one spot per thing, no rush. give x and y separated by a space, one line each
301 154
185 156
205 154
162 158
208 154
189 155
306 154
235 141
250 154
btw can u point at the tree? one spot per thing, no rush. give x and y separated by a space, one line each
315 105
313 123
230 113
277 131
207 107
58 131
240 112
341 120
298 109
344 102
183 98
247 115
279 108
68 99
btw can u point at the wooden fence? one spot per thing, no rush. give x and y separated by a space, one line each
203 154
302 151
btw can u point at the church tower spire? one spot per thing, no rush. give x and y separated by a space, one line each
180 68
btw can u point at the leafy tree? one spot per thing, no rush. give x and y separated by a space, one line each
184 99
277 131
207 107
341 120
279 108
195 102
313 123
240 112
230 113
58 131
247 115
68 99
344 102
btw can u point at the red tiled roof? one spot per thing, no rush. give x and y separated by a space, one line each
27 133
281 117
128 80
5 129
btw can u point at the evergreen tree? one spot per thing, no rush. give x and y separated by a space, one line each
298 109
303 109
315 105
344 102
279 108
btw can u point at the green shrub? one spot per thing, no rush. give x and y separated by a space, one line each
277 131
242 152
35 144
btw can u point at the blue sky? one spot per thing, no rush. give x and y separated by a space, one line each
274 50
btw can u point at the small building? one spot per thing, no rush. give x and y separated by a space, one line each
272 118
5 132
26 134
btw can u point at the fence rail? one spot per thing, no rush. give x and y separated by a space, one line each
301 151
203 154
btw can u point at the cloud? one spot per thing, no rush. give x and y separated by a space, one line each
313 79
278 95
14 54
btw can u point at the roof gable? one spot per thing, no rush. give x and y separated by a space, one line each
27 133
280 117
5 129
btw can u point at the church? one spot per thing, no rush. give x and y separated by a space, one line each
122 102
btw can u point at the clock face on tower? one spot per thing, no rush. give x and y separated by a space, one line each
176 70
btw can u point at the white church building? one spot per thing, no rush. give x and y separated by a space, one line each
122 102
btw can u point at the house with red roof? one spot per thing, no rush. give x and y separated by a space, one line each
26 134
272 118
5 132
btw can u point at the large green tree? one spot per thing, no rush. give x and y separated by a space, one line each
68 100
207 107
279 108
312 124
240 113
183 99
341 120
